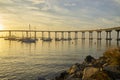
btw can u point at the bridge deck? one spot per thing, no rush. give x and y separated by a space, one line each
106 29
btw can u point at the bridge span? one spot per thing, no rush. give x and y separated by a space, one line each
98 31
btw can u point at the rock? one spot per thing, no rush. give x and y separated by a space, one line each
63 75
76 71
74 68
40 78
79 74
113 56
113 71
99 63
74 79
89 59
112 68
70 76
88 72
100 76
106 67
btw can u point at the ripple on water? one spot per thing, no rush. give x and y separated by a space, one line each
29 61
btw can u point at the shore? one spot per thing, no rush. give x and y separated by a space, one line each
106 67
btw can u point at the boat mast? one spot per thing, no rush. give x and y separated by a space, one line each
29 30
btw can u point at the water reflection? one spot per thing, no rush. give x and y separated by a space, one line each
90 43
83 43
43 57
118 43
76 42
69 42
99 43
46 44
10 44
108 43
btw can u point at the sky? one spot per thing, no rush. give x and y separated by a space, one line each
59 14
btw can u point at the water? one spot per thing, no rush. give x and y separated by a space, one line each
21 61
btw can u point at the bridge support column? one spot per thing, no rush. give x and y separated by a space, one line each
22 35
9 33
83 35
49 35
108 35
27 34
118 38
62 35
35 35
76 35
90 35
99 35
42 36
69 35
55 35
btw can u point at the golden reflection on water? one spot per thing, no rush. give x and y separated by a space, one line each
45 57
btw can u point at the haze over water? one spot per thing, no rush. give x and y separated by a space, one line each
22 61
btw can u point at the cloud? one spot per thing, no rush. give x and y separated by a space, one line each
118 1
6 1
37 1
77 14
69 4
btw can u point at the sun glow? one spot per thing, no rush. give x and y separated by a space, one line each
1 27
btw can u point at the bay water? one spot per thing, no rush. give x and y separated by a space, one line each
28 61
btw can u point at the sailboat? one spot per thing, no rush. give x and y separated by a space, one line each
57 39
28 39
13 38
47 39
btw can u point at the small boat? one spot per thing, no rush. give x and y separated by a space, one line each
28 40
69 39
13 38
57 39
47 39
64 39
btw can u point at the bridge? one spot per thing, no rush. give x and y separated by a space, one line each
98 31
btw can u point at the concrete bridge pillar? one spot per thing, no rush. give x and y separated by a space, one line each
49 35
69 35
62 35
42 35
22 35
99 35
90 35
108 35
76 35
55 35
35 34
118 38
83 35
30 34
9 33
27 34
